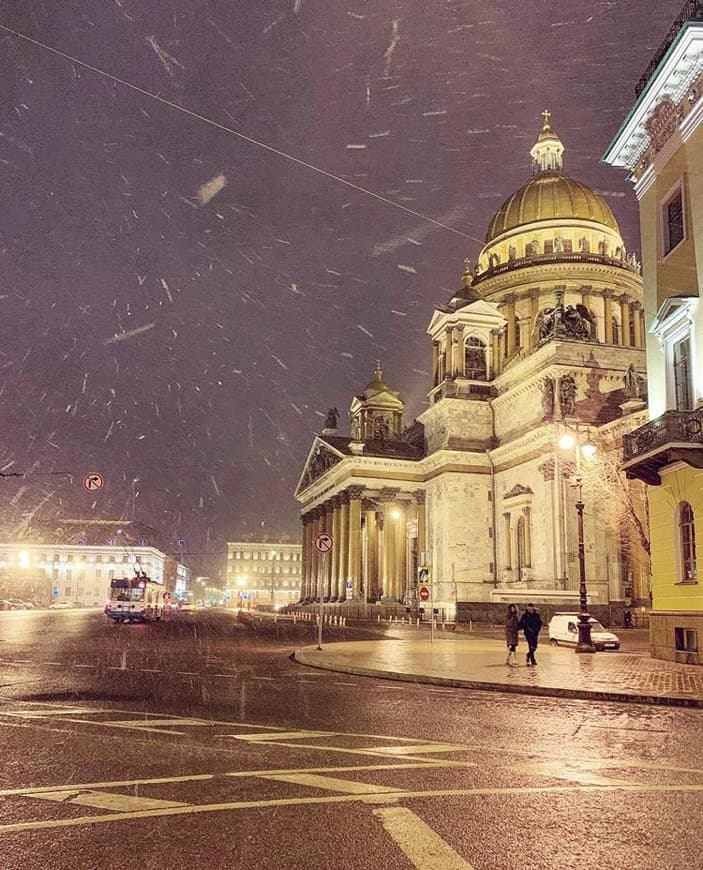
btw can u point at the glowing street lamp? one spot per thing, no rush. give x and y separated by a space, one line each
567 441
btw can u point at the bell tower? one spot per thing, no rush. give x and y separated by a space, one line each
377 413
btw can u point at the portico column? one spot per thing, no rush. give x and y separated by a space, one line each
305 567
344 542
336 520
372 553
389 580
381 552
400 559
420 498
315 556
355 493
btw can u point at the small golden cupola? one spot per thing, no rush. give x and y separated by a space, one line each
377 413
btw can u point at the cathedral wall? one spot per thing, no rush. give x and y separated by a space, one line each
458 424
459 520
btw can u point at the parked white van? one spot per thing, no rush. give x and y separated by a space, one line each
563 629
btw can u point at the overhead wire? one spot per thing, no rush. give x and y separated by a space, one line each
234 132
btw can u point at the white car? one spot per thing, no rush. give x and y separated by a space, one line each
563 629
60 605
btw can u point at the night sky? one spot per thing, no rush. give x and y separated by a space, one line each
180 306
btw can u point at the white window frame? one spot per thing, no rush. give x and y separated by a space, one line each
678 187
675 322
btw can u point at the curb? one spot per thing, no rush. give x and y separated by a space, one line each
516 689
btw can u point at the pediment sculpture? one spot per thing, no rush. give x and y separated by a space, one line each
320 462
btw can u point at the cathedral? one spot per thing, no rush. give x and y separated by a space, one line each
538 370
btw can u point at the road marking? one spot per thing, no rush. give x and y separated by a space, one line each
438 762
114 784
331 783
420 748
150 671
196 809
44 714
84 666
574 771
425 849
101 800
189 673
285 735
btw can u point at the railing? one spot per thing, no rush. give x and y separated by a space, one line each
561 257
672 426
692 11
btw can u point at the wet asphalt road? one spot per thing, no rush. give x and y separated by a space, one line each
196 742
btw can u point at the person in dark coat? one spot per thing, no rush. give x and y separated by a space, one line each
511 623
531 624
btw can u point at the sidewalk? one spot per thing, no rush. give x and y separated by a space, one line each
479 663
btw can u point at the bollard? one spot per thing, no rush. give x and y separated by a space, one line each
379 617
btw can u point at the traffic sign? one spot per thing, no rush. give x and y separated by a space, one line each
323 542
349 584
424 593
93 481
423 574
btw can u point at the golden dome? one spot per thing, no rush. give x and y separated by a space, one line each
550 196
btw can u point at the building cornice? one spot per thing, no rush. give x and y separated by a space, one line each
681 65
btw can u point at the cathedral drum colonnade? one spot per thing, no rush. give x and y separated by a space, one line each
545 332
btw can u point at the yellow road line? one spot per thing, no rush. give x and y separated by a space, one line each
74 786
105 800
425 849
412 765
331 783
196 809
285 735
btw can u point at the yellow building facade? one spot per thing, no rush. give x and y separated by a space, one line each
661 143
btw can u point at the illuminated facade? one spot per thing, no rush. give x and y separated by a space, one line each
80 573
661 142
264 574
545 335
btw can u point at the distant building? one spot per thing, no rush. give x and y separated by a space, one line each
76 561
263 574
72 573
661 143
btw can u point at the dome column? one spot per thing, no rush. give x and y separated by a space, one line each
448 362
458 345
510 317
637 323
608 315
532 339
625 314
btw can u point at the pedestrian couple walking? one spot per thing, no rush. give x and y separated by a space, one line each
530 623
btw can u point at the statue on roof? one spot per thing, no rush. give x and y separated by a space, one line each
331 419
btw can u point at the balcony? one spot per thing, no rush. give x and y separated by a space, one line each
692 11
676 436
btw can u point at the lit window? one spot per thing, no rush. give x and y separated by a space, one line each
673 220
687 543
682 375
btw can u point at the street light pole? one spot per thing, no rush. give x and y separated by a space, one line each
585 644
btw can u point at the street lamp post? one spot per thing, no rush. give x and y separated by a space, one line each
585 643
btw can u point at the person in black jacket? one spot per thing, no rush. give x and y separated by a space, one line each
531 623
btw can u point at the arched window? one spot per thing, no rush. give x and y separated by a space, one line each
616 331
687 543
475 359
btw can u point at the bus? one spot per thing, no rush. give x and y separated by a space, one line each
135 599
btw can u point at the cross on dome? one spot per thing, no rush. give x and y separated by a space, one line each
548 150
